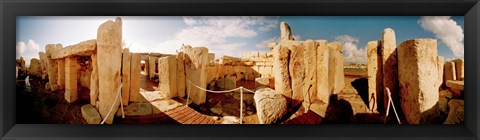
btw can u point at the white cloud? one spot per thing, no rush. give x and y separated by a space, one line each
214 32
351 52
447 30
28 50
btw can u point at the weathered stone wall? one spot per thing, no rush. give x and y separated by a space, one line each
167 76
35 68
52 67
196 62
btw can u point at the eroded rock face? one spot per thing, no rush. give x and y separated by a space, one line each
196 62
456 114
109 60
310 63
35 68
375 74
94 81
297 73
271 106
389 58
90 114
167 71
459 68
336 78
417 68
61 73
456 87
264 82
280 70
285 32
323 92
180 74
52 69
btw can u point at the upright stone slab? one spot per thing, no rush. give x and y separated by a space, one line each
52 67
43 61
310 63
417 68
323 92
152 67
440 64
61 73
449 71
285 32
335 68
375 75
94 81
459 68
167 76
180 75
109 61
297 73
280 70
389 58
72 68
135 75
196 62
126 58
35 68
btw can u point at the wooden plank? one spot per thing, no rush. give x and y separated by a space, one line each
195 117
181 113
206 120
200 119
174 110
186 117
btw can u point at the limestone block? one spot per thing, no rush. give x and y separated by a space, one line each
196 61
459 68
455 86
85 78
310 63
135 72
440 64
43 60
94 81
167 75
375 74
85 48
50 49
335 67
417 68
180 75
126 58
152 67
271 106
52 69
109 61
71 79
61 73
456 114
449 72
285 32
280 70
35 68
390 68
297 73
323 76
90 114
264 82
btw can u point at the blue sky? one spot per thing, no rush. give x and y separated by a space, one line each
235 36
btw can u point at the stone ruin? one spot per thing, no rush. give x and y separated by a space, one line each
415 75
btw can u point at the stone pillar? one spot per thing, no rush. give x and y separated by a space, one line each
109 61
180 75
323 92
440 63
335 68
126 58
152 66
52 68
459 68
450 72
375 75
61 73
389 58
167 76
196 62
71 77
94 81
417 68
297 73
280 70
310 63
135 76
285 32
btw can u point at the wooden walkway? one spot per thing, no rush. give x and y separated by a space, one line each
179 115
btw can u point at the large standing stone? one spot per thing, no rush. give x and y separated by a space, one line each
126 58
310 62
52 69
459 68
152 68
196 62
94 81
109 55
180 75
280 70
61 73
389 58
297 73
271 106
43 61
285 32
375 75
323 92
90 114
417 68
167 76
335 68
440 64
35 68
71 77
449 72
135 75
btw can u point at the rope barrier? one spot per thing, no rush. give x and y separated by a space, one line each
388 107
119 93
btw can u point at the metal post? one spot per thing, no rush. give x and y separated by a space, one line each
241 104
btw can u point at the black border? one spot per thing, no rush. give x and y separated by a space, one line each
10 9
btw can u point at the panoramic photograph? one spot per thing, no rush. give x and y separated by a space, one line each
239 70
